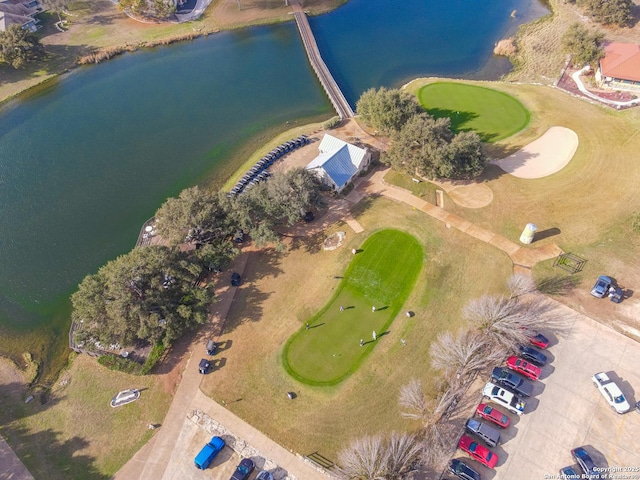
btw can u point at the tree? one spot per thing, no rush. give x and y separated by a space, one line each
429 147
197 216
413 400
19 46
463 355
373 458
148 294
610 12
584 46
164 8
279 202
387 110
56 6
139 7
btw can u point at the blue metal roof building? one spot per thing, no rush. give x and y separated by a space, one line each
338 162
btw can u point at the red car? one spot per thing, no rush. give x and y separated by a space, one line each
478 452
539 341
493 415
525 368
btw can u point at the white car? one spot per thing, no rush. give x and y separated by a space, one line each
503 397
611 392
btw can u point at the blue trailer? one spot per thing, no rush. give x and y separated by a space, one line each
209 452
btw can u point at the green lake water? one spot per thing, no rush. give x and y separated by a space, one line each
87 159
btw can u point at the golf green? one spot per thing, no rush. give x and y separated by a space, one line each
381 275
491 114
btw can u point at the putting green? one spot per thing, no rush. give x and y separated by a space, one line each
491 114
382 274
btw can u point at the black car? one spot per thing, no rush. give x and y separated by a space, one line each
235 279
203 368
586 463
243 470
514 382
533 355
462 470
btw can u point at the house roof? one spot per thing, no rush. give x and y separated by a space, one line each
621 60
7 19
339 159
17 9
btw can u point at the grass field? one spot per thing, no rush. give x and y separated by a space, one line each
284 290
490 113
76 434
382 275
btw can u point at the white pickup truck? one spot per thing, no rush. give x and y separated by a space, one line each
611 392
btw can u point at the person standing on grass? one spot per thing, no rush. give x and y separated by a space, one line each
373 309
361 342
375 336
341 308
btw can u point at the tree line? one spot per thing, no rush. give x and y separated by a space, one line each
151 294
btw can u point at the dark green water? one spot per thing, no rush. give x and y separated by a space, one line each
84 161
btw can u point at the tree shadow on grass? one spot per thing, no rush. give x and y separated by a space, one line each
557 285
47 455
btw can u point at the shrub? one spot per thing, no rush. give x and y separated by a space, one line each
333 122
120 364
583 45
153 357
505 47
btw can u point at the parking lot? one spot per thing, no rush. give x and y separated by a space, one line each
566 410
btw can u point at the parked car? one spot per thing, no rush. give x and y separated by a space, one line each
533 355
209 452
611 392
486 433
308 217
523 367
235 279
243 470
496 416
462 470
587 465
211 347
238 237
264 475
503 397
601 287
539 340
514 382
478 452
568 473
203 368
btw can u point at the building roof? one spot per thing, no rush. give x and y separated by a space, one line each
339 159
621 60
17 9
7 19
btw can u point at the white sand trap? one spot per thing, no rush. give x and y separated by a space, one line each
548 154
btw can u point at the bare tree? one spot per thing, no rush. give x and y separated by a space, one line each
412 398
364 459
371 458
520 284
402 454
461 355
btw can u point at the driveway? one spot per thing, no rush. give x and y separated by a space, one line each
567 411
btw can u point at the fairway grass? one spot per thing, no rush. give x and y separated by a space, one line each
492 114
381 275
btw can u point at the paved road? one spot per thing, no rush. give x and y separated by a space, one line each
11 468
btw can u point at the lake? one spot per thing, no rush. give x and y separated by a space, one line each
87 159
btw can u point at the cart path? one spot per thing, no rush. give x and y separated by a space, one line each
523 258
12 467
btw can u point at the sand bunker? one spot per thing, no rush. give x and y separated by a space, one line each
547 155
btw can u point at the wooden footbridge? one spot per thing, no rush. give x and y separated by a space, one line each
330 86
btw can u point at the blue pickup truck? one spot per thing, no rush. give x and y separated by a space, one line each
209 452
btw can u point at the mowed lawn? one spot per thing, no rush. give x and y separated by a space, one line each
492 114
381 275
